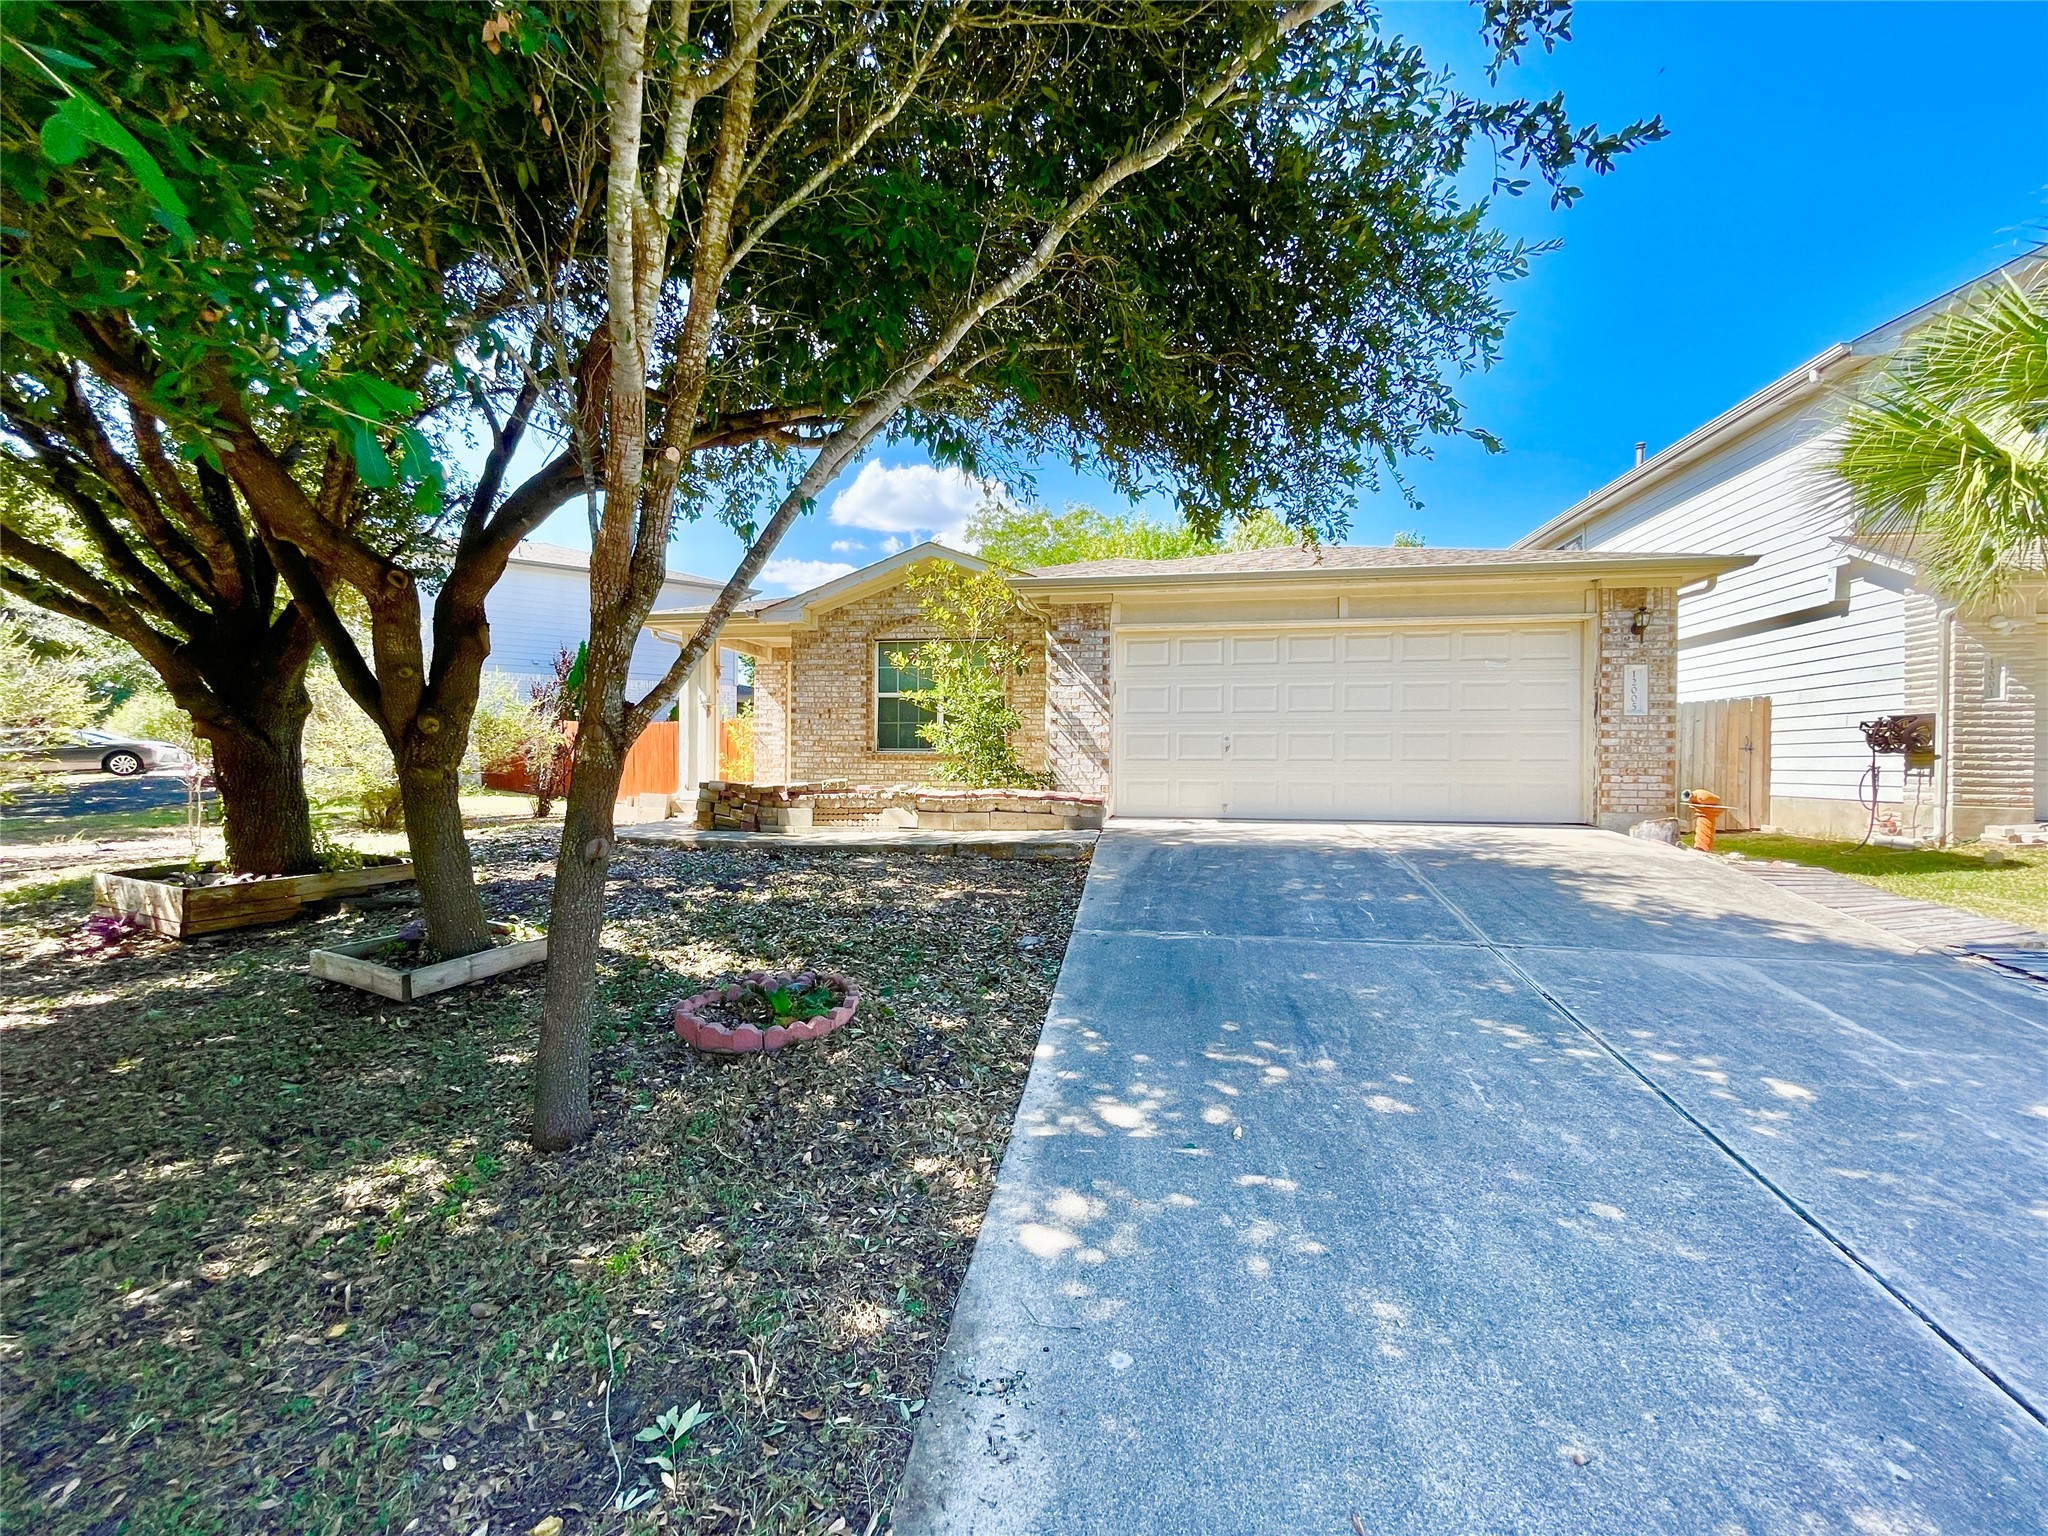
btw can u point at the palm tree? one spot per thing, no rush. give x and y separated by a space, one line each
1948 446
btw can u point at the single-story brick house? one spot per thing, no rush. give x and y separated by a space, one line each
1394 684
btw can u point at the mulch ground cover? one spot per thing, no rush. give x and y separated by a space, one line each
276 1256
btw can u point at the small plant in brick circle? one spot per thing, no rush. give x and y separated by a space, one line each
766 1010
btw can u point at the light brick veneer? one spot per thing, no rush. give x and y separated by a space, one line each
771 718
829 684
1636 759
1077 697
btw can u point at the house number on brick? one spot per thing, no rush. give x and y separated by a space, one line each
1635 689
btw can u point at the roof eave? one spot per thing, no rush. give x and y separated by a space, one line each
1792 389
1682 568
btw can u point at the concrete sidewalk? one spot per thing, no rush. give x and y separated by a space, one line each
1436 1180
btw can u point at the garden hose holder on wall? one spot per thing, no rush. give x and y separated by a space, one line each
1910 736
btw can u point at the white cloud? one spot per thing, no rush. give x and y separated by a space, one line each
891 544
846 546
801 575
912 500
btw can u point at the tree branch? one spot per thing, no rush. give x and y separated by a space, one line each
840 161
223 546
505 443
310 593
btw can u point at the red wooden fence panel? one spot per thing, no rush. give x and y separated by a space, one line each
650 766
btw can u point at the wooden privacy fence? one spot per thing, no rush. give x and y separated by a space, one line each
651 762
1725 745
650 769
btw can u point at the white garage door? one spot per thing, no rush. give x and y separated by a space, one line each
1435 723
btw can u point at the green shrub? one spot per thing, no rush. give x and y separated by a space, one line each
38 691
981 646
347 760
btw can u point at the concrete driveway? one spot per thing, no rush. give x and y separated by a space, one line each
1479 1180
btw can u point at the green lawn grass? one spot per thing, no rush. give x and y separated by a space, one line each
2016 889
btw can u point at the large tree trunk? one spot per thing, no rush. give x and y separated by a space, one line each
454 912
260 771
561 1086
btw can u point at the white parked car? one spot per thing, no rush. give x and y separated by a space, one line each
88 752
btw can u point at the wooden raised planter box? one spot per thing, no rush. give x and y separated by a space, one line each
351 965
159 898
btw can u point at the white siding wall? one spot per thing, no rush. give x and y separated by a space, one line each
536 610
1765 496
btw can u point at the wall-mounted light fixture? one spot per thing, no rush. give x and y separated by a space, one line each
1640 620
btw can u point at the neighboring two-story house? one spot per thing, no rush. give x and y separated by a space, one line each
1835 631
541 607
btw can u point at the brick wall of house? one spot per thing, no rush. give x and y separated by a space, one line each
830 689
1636 765
1077 697
771 718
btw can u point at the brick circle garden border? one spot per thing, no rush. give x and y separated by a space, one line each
692 1028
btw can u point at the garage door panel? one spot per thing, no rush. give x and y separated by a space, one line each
1559 645
1425 746
1147 699
1146 653
1368 747
1554 695
1148 746
1475 724
1479 749
1254 698
1309 747
1255 746
1308 797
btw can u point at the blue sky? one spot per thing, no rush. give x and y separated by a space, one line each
1830 166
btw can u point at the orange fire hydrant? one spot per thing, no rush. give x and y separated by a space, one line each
1706 810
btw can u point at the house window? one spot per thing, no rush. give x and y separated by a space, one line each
897 718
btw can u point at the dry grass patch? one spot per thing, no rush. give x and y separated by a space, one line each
277 1256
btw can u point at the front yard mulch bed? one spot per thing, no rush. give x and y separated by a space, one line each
277 1257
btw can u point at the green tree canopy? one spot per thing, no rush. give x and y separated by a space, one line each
1021 536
